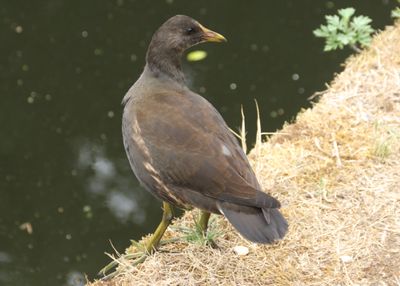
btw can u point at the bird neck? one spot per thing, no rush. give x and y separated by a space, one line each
165 64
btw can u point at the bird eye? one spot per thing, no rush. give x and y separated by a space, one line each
190 31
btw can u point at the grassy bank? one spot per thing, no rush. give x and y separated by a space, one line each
336 171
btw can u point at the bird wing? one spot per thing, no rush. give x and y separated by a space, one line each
192 147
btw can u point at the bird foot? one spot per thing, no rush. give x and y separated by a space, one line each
129 259
136 254
139 251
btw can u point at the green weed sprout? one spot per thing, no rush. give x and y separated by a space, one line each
345 30
396 13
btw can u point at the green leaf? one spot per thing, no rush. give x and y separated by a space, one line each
333 44
332 20
346 12
364 41
332 29
396 12
345 39
360 22
322 32
197 55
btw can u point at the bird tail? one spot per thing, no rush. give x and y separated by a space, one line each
255 224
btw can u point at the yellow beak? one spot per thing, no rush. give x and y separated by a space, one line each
211 36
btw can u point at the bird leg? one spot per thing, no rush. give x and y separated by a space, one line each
203 222
145 248
203 226
152 243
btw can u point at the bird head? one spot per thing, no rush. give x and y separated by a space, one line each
182 32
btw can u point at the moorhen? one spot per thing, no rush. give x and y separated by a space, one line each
182 151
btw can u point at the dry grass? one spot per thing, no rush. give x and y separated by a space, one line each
336 171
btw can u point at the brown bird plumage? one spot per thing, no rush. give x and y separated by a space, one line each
181 149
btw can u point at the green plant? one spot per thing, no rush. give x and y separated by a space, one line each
197 236
345 30
396 13
382 148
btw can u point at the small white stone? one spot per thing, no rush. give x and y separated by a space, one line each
241 250
346 258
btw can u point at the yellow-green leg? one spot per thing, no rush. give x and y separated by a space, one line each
203 222
148 247
152 243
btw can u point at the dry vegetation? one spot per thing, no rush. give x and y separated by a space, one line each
336 171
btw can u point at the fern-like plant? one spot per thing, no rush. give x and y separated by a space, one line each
396 13
345 30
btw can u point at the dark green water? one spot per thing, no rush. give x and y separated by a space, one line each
64 68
